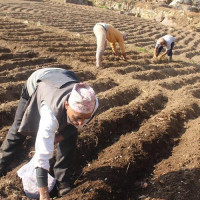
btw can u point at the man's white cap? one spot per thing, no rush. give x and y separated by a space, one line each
161 40
82 98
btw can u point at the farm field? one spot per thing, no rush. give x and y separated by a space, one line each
144 142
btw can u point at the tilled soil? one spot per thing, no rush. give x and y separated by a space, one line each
144 141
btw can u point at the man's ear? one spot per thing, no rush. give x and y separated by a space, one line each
66 105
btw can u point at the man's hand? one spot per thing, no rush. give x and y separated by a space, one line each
44 193
162 56
124 57
58 138
155 56
117 54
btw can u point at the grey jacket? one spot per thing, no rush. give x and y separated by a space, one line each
54 88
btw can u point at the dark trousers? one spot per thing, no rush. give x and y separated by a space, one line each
64 156
169 52
13 140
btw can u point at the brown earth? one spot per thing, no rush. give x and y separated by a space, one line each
144 141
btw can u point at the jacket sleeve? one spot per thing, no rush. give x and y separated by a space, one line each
121 46
44 145
113 46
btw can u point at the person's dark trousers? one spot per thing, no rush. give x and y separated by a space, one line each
64 157
13 139
159 50
169 52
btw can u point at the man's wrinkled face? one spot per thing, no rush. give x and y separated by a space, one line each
76 118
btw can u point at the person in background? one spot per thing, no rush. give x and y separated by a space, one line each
106 32
165 41
53 105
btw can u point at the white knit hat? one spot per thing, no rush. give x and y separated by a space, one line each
82 98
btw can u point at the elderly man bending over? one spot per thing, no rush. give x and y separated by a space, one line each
104 31
165 41
52 106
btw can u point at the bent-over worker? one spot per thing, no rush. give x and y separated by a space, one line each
105 32
52 106
165 41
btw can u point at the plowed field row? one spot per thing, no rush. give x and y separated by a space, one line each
81 19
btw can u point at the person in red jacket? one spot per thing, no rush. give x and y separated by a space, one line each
106 32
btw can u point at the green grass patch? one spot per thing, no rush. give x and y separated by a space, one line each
105 7
119 5
144 50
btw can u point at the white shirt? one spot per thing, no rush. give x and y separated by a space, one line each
44 144
48 126
168 39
